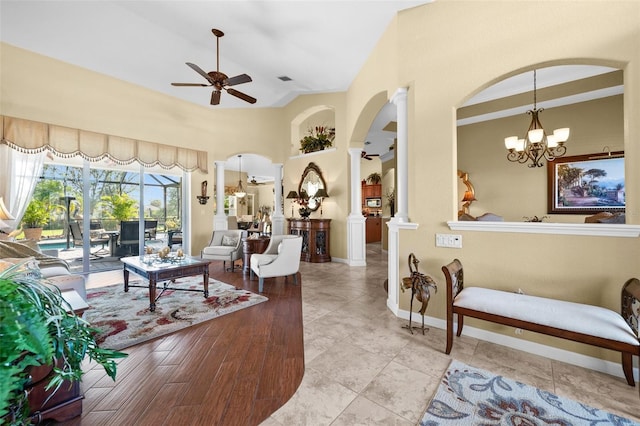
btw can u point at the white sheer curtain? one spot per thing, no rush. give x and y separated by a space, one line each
19 173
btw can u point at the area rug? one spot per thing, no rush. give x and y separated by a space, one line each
124 319
471 396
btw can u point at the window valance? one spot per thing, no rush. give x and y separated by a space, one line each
33 136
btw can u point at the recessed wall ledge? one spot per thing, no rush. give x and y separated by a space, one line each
322 151
588 229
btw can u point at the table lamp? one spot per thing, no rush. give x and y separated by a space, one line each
292 195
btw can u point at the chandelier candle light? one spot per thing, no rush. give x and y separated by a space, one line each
537 145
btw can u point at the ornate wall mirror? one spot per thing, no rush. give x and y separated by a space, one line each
310 183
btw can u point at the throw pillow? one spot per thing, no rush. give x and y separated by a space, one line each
228 240
32 244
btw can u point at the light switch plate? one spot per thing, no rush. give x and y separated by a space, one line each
449 240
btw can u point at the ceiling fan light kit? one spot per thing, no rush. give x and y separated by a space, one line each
219 80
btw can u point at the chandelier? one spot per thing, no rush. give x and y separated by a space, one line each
537 145
240 192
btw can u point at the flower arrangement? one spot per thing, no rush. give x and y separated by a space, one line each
391 200
318 138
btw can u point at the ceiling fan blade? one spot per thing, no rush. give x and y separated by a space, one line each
201 72
242 96
238 79
190 84
215 97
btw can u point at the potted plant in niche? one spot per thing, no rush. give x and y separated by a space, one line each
317 139
38 330
374 178
35 217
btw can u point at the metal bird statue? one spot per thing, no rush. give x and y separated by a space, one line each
419 284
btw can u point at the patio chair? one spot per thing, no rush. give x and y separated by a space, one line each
150 229
129 237
97 237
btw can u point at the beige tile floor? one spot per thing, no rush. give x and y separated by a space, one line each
363 368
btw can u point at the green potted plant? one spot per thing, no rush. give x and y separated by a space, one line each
39 329
35 217
317 139
374 178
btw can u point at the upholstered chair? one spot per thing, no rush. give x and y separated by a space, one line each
225 245
280 259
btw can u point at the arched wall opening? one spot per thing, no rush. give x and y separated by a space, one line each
587 98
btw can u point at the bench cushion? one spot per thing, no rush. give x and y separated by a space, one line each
570 316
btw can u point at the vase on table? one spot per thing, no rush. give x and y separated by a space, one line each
305 212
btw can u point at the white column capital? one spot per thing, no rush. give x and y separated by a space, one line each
399 96
355 152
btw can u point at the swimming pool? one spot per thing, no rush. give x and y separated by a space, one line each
53 245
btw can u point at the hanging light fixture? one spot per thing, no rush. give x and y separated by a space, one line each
537 145
240 192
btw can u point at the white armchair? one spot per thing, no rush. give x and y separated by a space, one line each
281 258
225 245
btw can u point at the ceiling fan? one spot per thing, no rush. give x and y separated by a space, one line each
218 79
368 156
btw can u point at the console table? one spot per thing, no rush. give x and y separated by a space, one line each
315 235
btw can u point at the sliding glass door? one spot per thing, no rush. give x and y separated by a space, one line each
97 210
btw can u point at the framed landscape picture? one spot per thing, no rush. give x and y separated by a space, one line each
586 184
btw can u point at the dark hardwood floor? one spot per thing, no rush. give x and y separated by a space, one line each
233 370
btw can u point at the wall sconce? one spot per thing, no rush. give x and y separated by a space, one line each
469 195
203 198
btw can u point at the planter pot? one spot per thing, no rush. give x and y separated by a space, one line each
33 233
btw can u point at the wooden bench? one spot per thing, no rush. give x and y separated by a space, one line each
579 322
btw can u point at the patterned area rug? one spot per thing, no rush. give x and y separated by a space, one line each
471 396
123 319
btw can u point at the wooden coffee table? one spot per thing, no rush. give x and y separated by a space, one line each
155 271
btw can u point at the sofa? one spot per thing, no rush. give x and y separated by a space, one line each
55 271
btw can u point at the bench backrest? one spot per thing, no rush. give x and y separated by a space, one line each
455 279
630 303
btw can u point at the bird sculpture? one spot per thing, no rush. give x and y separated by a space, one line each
420 285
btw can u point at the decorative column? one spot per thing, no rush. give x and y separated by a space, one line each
277 218
400 220
356 227
220 219
402 157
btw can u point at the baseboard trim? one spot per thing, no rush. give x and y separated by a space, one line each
592 363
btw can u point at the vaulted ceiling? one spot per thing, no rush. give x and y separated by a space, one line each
319 46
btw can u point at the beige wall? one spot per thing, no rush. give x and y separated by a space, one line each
78 98
444 52
446 64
